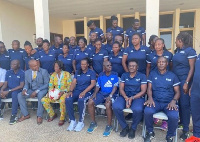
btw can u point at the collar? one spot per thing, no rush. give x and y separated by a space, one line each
162 74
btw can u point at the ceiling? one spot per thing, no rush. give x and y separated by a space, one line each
76 9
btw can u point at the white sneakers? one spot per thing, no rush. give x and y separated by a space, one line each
73 126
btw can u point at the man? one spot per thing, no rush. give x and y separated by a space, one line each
57 47
97 30
109 39
14 83
163 93
2 80
36 85
134 29
4 57
106 87
39 43
72 45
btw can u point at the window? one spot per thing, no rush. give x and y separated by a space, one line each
167 36
97 23
143 21
189 31
166 21
187 20
79 27
108 23
127 22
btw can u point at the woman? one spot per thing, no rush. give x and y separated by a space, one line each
47 57
80 54
151 42
116 59
4 57
160 50
67 59
98 56
80 91
183 66
60 80
133 86
115 29
137 52
28 48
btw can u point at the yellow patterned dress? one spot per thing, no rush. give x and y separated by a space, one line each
63 84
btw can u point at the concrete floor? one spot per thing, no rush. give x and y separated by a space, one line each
29 131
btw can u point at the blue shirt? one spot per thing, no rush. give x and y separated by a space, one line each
18 55
116 62
140 55
98 31
58 50
196 78
131 31
67 61
152 59
27 58
132 86
163 85
115 31
93 48
107 83
83 80
180 62
73 49
98 59
108 47
47 60
5 61
79 55
13 79
38 50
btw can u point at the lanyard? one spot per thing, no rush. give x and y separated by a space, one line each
59 79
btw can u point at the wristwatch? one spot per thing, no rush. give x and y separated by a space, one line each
9 90
110 95
175 100
187 82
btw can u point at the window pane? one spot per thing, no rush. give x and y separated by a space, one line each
167 36
166 21
190 32
143 21
187 20
108 23
79 27
97 23
127 22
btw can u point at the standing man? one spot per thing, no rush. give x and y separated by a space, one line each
39 43
36 85
57 47
72 45
135 29
97 30
14 83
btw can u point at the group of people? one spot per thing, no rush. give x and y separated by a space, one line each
98 73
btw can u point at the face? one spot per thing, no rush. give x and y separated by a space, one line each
84 65
132 67
14 65
2 48
114 23
107 67
162 64
15 45
58 40
109 37
98 45
39 42
115 48
45 46
159 45
66 40
28 49
136 25
65 49
93 37
136 40
81 43
34 66
72 41
56 68
179 43
119 39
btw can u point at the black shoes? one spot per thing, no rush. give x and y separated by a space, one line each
13 119
124 132
169 139
131 134
149 136
184 136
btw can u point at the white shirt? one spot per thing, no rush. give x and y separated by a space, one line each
2 75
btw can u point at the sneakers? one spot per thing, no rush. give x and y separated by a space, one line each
124 132
13 119
92 127
164 126
131 134
184 135
79 127
107 131
72 125
156 120
193 139
149 136
169 139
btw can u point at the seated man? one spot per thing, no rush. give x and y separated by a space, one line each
163 93
36 85
106 87
14 83
2 80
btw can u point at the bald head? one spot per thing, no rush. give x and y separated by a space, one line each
15 64
33 65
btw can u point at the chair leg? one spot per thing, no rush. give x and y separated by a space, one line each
143 129
4 107
176 137
117 125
